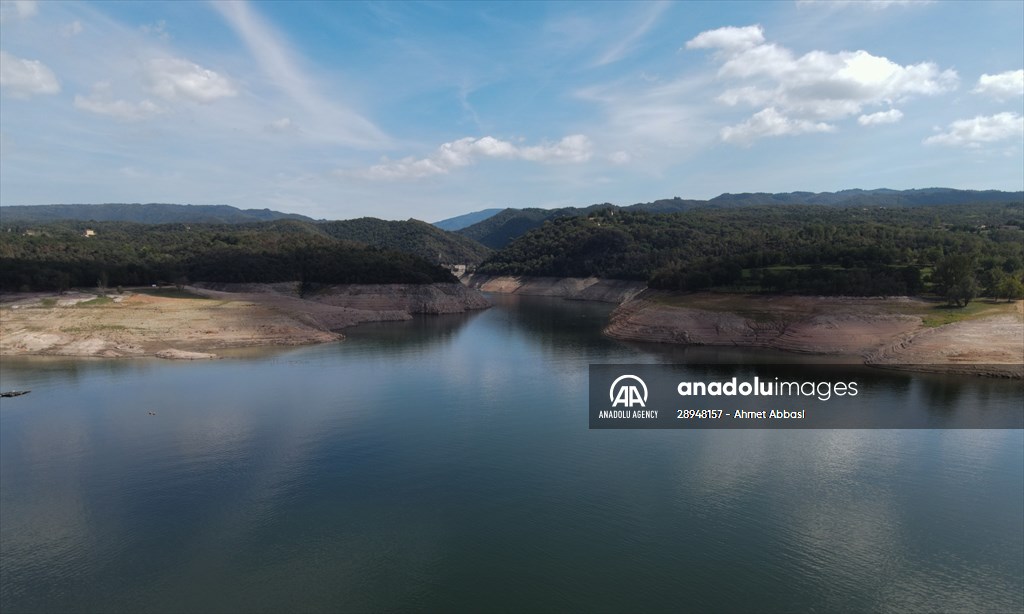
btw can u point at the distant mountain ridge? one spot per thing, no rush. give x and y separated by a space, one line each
151 213
467 219
500 229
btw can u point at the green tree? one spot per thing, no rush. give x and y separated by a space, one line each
1011 288
954 277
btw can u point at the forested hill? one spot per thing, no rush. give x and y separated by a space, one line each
59 255
497 231
812 249
153 213
411 236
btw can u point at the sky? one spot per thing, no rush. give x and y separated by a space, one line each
429 110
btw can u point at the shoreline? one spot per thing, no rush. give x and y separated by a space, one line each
196 322
201 320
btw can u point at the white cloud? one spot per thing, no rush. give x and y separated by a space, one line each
728 38
102 102
158 30
882 117
18 9
23 78
620 157
466 151
1001 86
818 85
981 129
574 148
770 122
281 125
174 78
72 29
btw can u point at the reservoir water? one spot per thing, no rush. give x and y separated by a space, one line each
445 464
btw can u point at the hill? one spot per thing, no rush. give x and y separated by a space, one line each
496 232
412 236
153 213
57 256
461 221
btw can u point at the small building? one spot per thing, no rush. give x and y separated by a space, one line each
89 232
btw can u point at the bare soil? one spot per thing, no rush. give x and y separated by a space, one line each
194 324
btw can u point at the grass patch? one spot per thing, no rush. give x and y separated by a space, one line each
941 315
170 293
48 302
92 329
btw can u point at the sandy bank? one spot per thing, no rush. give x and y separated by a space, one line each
896 332
576 288
196 323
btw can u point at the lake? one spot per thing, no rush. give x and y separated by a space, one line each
446 463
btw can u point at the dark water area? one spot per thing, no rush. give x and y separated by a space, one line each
446 463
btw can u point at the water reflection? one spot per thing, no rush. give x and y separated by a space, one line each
445 464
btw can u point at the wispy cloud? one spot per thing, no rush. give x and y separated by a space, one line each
876 5
619 50
327 118
101 101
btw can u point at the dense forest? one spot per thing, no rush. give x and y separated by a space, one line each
958 251
58 256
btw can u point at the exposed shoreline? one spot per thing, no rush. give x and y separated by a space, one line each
895 332
573 288
203 319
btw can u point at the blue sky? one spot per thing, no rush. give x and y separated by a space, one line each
430 110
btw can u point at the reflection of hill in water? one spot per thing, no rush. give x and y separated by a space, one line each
28 371
556 324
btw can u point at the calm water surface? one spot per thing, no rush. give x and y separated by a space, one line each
446 464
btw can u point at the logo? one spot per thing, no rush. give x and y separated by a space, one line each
625 394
